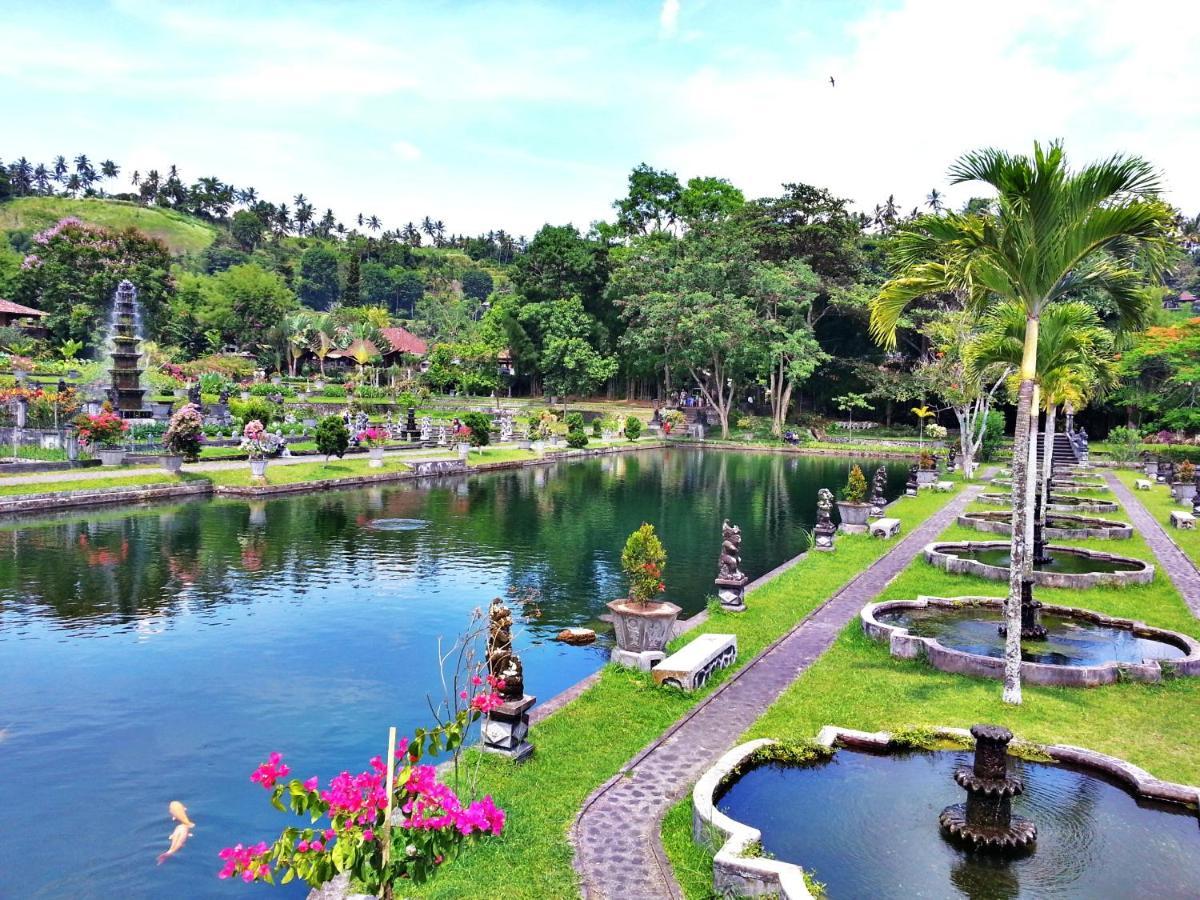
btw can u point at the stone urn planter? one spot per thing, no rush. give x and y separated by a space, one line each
171 463
111 456
524 444
926 476
162 409
1183 491
464 451
854 516
375 455
258 468
276 379
642 631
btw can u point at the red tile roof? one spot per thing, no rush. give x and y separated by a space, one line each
7 307
401 341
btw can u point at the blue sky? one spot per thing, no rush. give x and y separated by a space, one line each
512 114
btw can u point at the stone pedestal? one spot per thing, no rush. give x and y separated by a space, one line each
506 727
823 536
732 593
637 659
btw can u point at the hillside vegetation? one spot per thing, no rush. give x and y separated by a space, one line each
181 233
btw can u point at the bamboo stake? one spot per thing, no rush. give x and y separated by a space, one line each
387 816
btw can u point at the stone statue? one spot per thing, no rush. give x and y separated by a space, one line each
730 563
912 486
824 530
824 505
952 459
194 394
223 397
441 436
503 663
426 427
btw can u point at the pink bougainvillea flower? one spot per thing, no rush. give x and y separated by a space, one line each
311 784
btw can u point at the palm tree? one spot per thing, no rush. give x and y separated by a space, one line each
373 223
324 332
298 327
60 168
1050 231
934 201
109 169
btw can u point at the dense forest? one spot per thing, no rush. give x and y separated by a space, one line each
757 304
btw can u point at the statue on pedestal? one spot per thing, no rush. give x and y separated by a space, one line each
506 727
912 486
878 485
731 580
426 428
824 530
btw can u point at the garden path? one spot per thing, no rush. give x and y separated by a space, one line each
618 850
1175 562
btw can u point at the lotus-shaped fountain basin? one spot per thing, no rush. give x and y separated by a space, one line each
865 823
1081 649
1059 526
1058 502
1068 567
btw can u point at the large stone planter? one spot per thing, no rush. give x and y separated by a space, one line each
642 630
375 455
854 517
111 456
464 451
258 468
1183 491
927 476
171 463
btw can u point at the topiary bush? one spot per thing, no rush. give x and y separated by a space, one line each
577 438
480 425
855 490
633 428
332 437
643 561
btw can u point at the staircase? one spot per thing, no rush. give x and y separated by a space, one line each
1064 453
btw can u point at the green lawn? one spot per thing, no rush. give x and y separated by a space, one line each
1159 504
86 483
588 741
182 234
306 472
859 685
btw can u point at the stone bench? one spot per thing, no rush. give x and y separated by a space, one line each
1142 484
692 666
885 528
1181 519
943 486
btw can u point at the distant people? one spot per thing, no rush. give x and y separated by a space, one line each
791 437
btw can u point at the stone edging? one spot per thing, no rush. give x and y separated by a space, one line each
936 555
851 449
904 645
1104 529
96 497
753 875
1084 504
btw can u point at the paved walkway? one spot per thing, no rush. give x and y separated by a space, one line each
618 851
1175 562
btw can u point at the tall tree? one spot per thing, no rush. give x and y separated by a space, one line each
1051 231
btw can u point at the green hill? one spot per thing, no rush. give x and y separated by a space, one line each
181 233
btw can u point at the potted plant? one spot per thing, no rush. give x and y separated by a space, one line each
926 468
257 444
1184 488
183 437
102 433
852 507
643 624
374 440
937 433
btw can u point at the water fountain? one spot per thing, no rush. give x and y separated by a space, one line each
124 351
986 821
1060 566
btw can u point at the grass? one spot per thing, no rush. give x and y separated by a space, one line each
305 472
181 233
1159 504
858 684
92 484
588 741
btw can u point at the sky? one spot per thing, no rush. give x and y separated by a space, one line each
514 114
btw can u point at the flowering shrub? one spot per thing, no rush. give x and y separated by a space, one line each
105 429
372 437
347 825
935 431
185 433
257 442
643 561
21 363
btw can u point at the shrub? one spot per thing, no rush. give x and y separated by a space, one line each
231 365
574 421
993 436
479 425
1185 473
332 437
577 438
185 433
105 429
926 461
633 428
214 383
855 490
1124 443
267 390
334 390
254 408
596 432
643 561
370 392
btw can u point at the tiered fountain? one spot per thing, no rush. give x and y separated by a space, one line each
124 343
986 820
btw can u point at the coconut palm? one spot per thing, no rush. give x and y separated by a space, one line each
1049 232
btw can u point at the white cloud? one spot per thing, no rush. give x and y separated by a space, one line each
406 151
668 17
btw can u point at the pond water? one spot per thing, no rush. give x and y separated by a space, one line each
160 653
866 825
1069 642
1067 563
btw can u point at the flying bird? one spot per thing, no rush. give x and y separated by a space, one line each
832 83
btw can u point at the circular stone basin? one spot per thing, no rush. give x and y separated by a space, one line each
1069 567
865 824
1062 526
397 524
1058 503
1063 486
1082 648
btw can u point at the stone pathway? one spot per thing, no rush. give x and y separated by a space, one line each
618 852
1175 562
